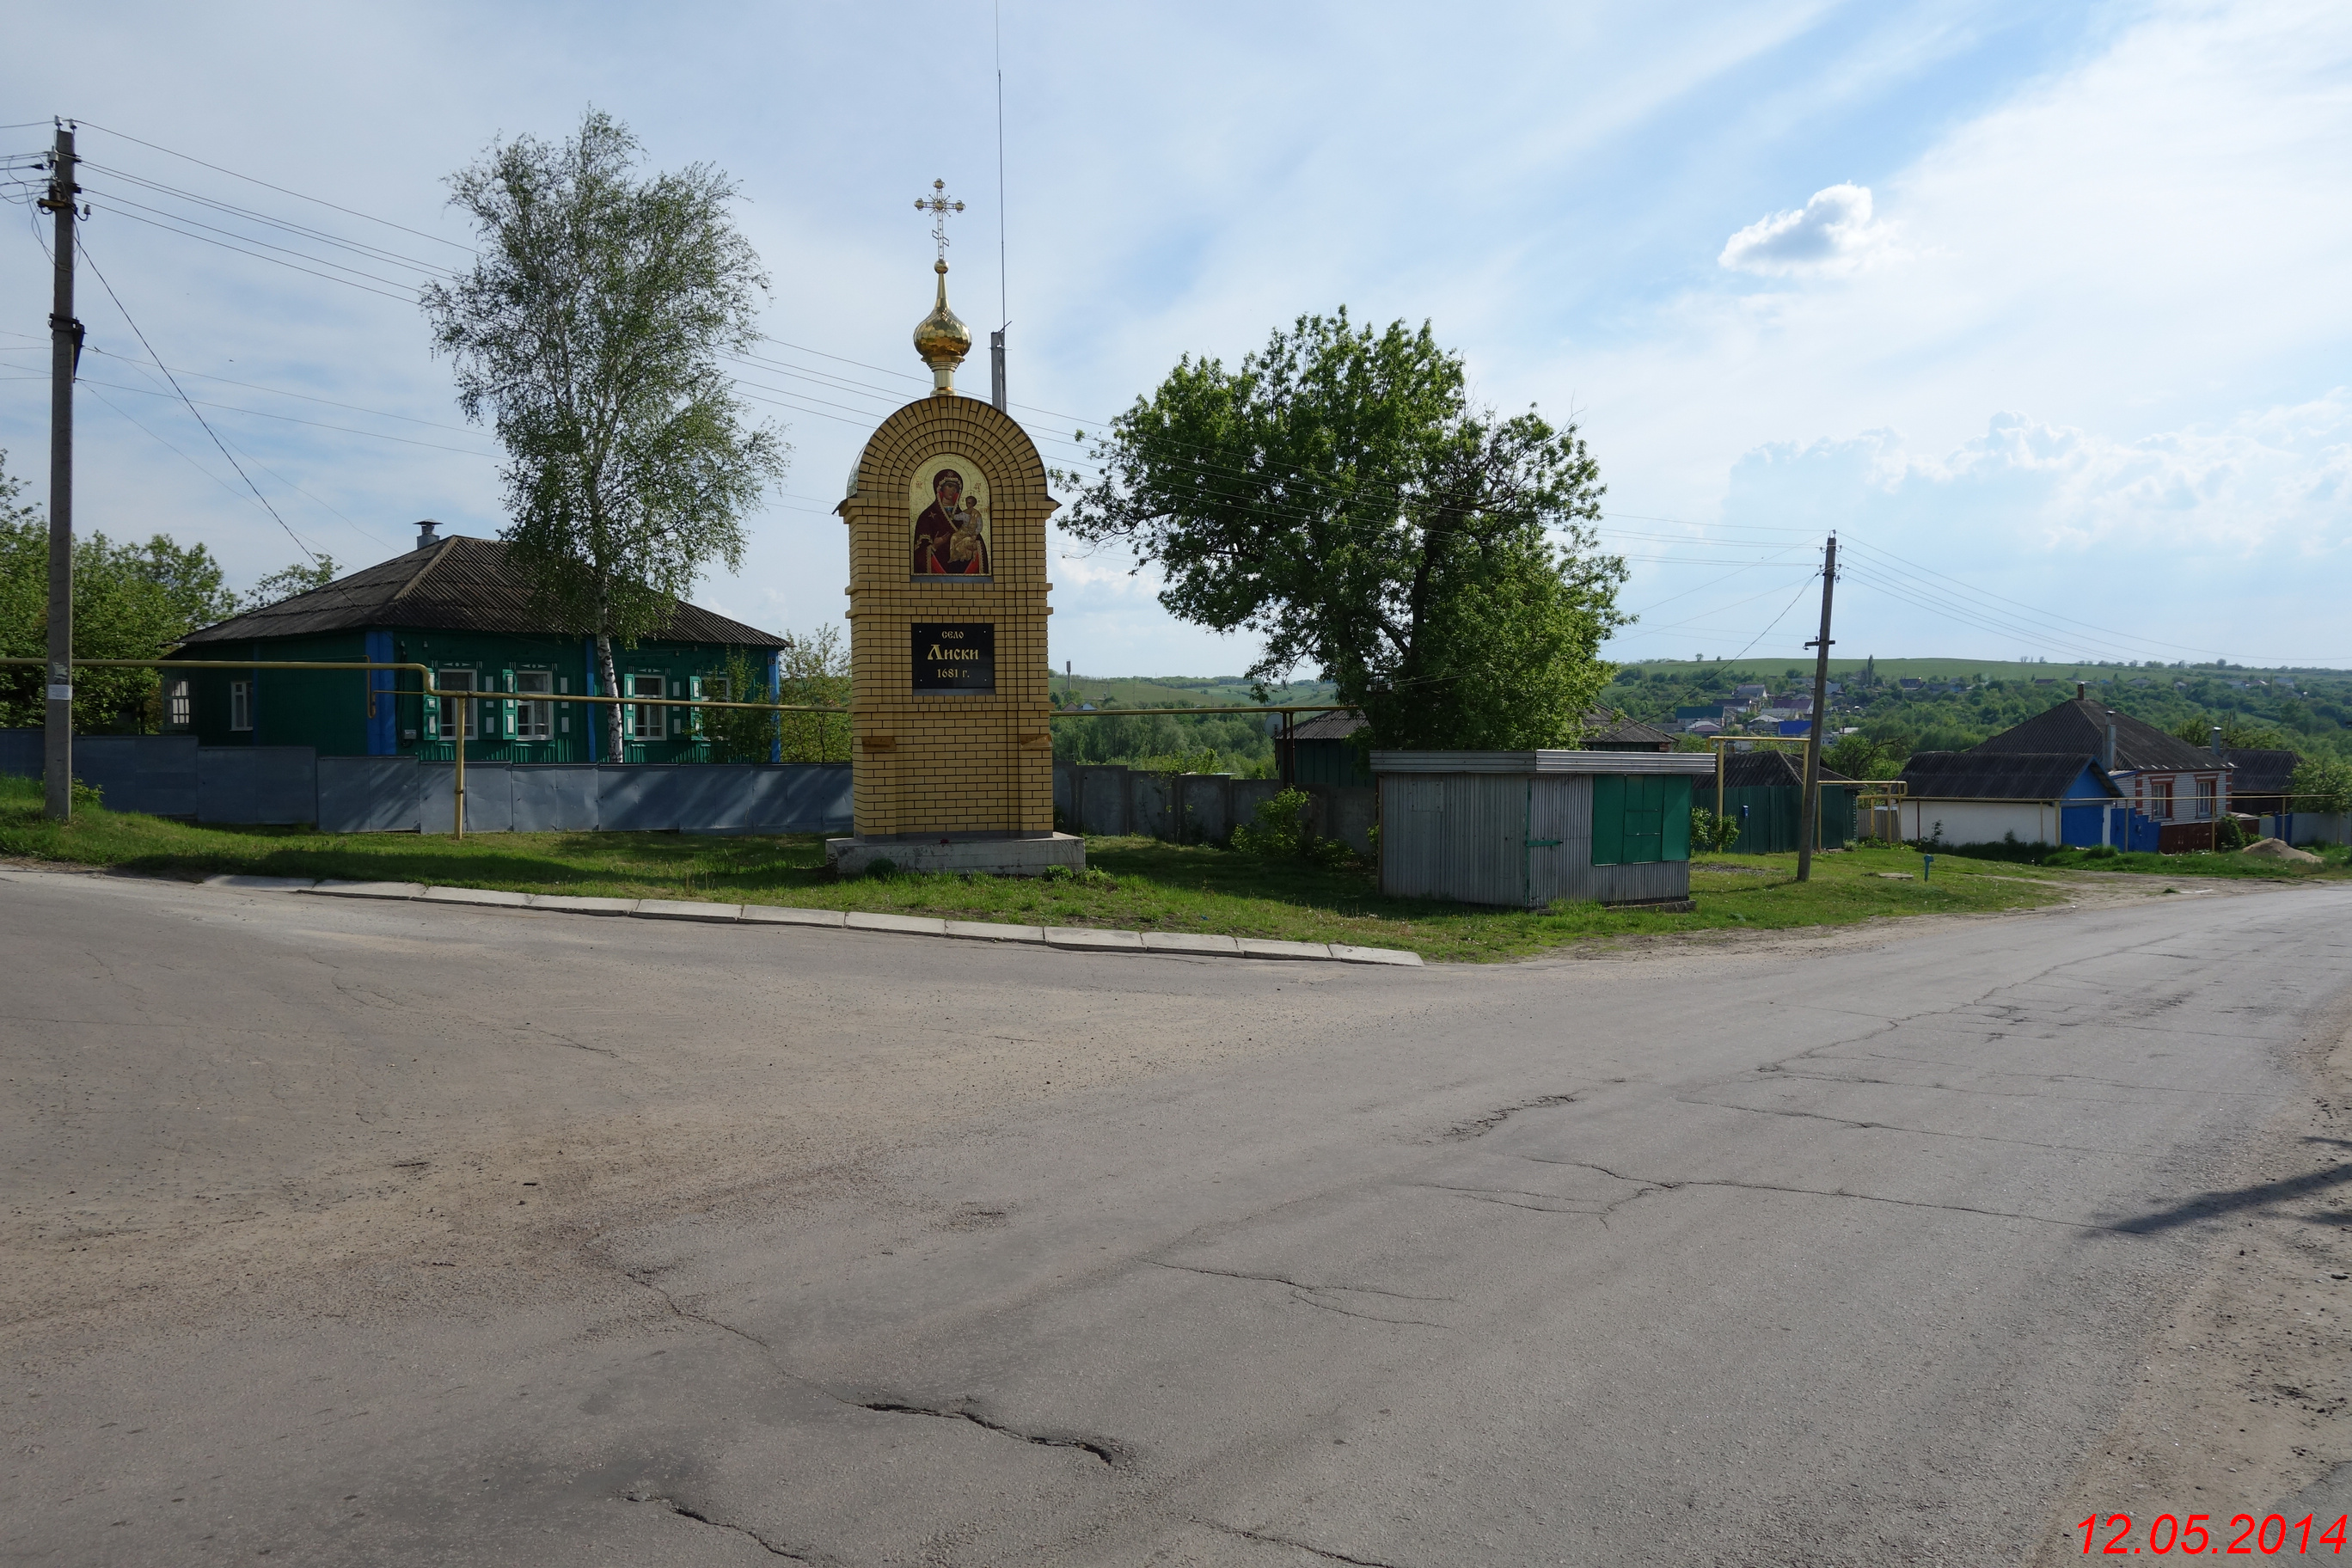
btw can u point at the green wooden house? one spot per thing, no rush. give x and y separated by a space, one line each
453 604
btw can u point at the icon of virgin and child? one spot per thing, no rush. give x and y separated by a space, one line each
951 533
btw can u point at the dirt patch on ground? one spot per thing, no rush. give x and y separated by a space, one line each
2243 1400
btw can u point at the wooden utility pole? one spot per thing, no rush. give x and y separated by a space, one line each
65 349
1810 809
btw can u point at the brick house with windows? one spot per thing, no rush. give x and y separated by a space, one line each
452 603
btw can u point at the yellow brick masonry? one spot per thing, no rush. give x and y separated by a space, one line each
942 763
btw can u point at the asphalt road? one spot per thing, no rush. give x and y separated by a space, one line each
359 1234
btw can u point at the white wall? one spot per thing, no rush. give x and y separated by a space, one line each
1981 821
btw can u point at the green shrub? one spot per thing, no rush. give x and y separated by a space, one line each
1278 830
882 868
1712 833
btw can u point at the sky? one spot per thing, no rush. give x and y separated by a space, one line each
2042 310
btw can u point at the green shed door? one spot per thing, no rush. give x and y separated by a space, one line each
1678 814
1640 818
1609 819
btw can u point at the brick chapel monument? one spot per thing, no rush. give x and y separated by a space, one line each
953 750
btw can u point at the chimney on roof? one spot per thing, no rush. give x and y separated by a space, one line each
2108 762
2217 740
2082 689
425 539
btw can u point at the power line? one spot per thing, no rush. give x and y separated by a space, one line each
1775 621
192 407
108 197
285 418
282 191
373 251
155 223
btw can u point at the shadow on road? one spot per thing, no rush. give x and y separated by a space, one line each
2207 1205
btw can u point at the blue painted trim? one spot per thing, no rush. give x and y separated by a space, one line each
384 717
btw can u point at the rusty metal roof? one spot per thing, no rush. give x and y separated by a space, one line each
1333 726
453 584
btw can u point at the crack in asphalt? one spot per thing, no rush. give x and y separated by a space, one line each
1323 1551
1304 1293
1663 1186
1478 1126
640 1276
1102 1448
683 1511
1899 1127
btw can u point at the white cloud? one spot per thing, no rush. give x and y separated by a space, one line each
2090 530
1831 235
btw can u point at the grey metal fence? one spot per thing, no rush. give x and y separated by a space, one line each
171 775
1111 799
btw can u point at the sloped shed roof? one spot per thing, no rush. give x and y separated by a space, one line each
1770 768
2260 772
1335 726
453 584
1626 732
1979 774
2079 725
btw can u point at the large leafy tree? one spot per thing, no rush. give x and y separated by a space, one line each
589 332
131 601
1339 495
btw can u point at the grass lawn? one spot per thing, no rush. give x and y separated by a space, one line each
1132 884
2204 864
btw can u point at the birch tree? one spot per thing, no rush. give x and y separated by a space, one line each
589 332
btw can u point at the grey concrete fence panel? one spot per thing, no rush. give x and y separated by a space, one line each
151 773
713 797
802 797
275 785
552 797
368 794
1103 800
1207 801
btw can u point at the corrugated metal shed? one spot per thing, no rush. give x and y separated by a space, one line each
1516 829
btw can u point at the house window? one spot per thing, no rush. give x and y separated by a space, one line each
2206 790
645 722
457 711
240 705
2159 799
534 721
1640 818
179 705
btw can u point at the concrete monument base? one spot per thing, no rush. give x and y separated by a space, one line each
996 857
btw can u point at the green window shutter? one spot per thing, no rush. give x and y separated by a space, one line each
693 715
432 716
506 708
1609 819
1678 814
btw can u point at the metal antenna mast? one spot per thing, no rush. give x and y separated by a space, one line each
996 393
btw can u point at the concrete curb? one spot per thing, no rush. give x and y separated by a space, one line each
1069 939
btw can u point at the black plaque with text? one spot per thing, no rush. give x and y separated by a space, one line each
954 656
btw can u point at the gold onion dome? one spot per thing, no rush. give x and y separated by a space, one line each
941 338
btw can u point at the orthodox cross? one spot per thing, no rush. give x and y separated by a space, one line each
938 204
